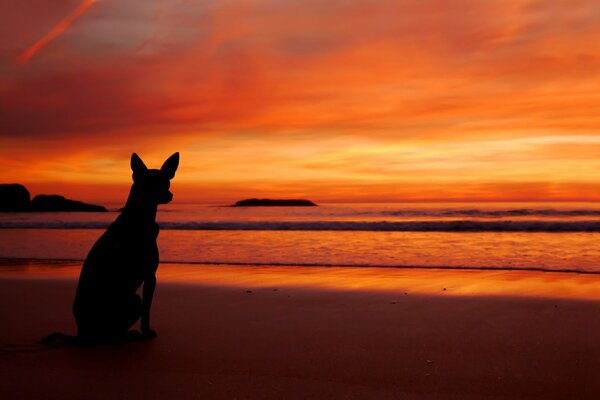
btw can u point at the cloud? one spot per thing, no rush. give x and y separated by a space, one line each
55 31
325 77
392 65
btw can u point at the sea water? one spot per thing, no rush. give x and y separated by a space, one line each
546 236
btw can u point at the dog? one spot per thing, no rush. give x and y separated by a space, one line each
123 259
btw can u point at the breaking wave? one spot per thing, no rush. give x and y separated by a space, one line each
382 226
478 213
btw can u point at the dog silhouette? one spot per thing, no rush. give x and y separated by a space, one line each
123 259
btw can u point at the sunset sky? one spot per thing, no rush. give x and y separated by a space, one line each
337 100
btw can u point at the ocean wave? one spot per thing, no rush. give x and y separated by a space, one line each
377 226
478 213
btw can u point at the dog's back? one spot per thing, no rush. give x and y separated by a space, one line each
119 261
124 257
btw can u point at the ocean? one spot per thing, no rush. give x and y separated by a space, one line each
538 236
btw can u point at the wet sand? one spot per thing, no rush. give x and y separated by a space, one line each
297 333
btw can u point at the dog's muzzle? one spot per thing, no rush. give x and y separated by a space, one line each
166 198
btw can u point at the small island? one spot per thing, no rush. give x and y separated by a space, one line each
54 202
274 203
16 198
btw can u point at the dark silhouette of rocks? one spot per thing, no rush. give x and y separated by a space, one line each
274 203
54 202
14 197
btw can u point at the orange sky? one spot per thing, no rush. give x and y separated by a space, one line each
330 100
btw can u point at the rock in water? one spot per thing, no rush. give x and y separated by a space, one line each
54 202
14 197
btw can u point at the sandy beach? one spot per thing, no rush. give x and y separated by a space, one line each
297 333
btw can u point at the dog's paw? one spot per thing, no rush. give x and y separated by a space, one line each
149 334
133 335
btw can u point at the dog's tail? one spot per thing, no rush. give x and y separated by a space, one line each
59 337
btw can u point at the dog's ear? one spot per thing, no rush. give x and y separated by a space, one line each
170 166
137 166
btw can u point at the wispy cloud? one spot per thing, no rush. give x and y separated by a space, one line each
56 31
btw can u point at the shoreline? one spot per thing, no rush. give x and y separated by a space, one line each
445 282
10 261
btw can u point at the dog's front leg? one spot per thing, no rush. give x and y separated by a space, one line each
148 292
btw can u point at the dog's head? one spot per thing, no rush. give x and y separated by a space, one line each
153 184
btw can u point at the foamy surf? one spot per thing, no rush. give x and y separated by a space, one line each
376 226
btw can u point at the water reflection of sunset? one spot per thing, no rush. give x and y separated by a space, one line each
398 282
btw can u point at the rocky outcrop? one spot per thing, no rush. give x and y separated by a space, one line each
54 202
274 203
14 198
